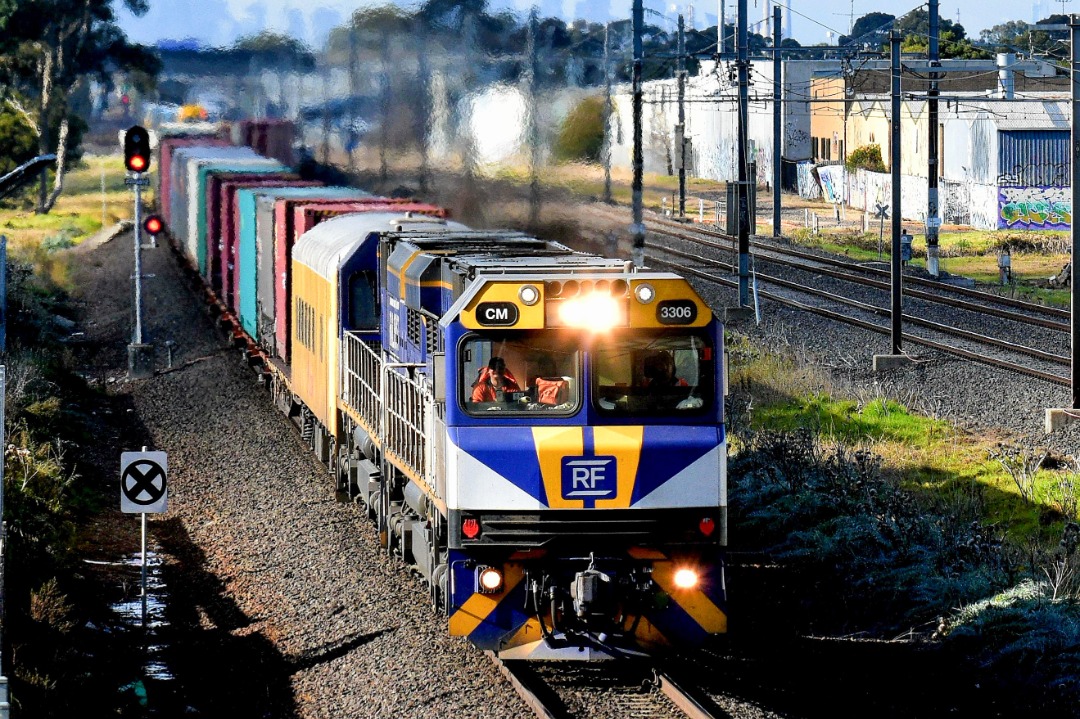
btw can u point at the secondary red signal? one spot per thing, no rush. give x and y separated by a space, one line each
153 225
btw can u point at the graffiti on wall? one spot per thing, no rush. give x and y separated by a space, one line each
808 186
1035 175
832 182
1034 208
957 202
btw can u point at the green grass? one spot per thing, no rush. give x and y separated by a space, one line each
1036 256
79 213
81 208
927 456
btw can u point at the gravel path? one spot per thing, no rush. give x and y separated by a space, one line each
281 604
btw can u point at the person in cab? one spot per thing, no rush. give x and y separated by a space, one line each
493 382
659 371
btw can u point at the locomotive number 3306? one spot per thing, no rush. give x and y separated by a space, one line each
676 312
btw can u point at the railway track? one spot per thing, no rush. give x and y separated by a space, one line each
1004 354
565 691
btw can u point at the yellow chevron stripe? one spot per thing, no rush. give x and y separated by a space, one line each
693 601
479 607
528 633
404 268
552 444
644 553
646 632
623 443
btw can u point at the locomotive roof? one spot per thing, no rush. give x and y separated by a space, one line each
501 251
323 247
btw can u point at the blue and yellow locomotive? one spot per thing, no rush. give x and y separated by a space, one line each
539 431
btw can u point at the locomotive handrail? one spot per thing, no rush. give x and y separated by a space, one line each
395 407
362 380
404 429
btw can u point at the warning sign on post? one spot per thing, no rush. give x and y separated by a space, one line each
144 484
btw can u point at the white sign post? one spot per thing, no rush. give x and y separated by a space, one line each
144 488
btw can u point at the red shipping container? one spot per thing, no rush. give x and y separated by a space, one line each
166 148
216 256
230 231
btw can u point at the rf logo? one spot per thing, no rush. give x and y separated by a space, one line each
589 478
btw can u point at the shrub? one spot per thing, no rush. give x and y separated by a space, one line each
60 241
863 554
581 137
867 157
1023 639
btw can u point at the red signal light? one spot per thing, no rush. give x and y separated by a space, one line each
153 225
470 528
707 526
137 149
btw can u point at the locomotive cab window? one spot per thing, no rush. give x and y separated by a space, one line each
528 373
665 374
363 305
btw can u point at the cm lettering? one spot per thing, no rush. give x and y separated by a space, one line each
497 314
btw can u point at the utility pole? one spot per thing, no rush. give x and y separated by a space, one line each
1074 232
423 75
680 129
894 167
5 706
607 114
932 219
637 229
534 123
722 46
1056 418
776 121
325 115
743 64
384 107
354 63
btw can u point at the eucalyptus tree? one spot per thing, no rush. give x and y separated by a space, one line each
49 49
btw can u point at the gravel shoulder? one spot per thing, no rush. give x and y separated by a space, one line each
279 602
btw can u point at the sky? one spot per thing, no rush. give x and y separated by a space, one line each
219 22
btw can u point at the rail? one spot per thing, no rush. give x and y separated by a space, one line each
545 701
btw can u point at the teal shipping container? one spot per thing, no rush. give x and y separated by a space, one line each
184 190
203 240
255 258
199 170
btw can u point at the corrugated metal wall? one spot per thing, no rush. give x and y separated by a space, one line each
1033 158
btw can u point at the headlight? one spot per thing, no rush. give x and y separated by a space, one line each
529 295
645 293
596 312
686 579
489 580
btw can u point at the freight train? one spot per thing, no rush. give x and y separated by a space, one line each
537 430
